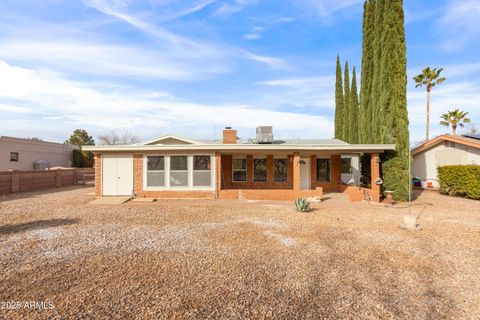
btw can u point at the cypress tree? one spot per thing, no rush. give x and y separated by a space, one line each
346 104
377 86
338 100
353 112
365 113
392 102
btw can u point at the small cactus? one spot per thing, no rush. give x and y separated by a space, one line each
302 204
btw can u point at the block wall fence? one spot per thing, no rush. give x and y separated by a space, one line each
13 181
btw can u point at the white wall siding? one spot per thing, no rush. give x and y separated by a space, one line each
425 164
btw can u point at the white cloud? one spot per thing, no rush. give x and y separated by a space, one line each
77 104
254 34
459 24
227 9
110 59
327 7
448 96
308 92
181 46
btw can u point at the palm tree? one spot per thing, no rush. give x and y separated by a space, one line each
454 118
429 78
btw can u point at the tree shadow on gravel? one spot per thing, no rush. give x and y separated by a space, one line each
35 225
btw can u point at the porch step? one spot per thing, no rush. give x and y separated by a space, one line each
314 199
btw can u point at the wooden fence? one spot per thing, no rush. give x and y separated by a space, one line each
13 181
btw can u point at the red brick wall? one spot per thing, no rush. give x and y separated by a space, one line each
296 171
226 178
98 174
268 194
229 136
375 165
165 194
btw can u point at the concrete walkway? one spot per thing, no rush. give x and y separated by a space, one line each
110 200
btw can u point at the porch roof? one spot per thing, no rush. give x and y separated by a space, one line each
215 147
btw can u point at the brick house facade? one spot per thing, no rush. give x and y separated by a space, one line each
173 167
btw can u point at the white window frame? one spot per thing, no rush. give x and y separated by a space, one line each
212 159
190 186
189 178
246 170
164 170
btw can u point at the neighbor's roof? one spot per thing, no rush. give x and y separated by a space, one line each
173 142
465 140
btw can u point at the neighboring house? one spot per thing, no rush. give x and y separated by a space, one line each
28 154
262 168
442 151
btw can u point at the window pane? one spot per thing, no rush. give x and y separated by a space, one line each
155 163
280 169
178 179
14 156
240 164
346 165
201 163
201 179
155 179
178 163
260 170
239 175
323 169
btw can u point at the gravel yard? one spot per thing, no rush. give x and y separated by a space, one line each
235 260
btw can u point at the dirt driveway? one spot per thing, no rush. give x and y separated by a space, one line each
62 258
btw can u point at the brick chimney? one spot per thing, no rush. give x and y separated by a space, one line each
229 136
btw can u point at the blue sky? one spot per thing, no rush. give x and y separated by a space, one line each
166 66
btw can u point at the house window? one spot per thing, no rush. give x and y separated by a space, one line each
239 170
201 171
156 171
179 171
260 170
346 165
13 156
280 169
323 169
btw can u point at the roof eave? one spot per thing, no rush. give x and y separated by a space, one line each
237 147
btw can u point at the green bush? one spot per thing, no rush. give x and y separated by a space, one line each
395 175
463 181
82 159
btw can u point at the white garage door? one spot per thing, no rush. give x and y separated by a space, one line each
117 175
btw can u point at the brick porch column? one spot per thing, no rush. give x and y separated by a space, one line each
375 173
313 171
138 175
336 169
98 174
296 171
270 169
218 174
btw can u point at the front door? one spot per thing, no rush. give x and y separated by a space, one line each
305 174
117 175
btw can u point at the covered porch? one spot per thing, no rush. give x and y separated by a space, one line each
290 175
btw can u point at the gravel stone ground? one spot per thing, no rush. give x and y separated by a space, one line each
196 259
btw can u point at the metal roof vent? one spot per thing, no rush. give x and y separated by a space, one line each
265 134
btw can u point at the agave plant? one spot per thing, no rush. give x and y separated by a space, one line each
302 204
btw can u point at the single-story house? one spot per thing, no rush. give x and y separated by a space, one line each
256 169
29 154
442 151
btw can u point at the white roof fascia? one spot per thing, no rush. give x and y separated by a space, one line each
251 147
